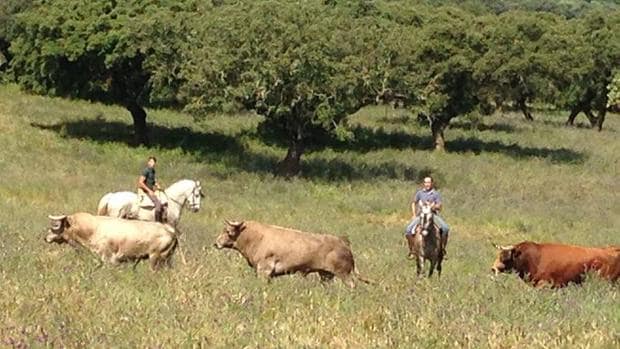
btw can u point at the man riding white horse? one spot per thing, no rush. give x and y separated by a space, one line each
148 184
432 196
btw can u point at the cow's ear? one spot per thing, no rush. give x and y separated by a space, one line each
236 229
69 221
515 253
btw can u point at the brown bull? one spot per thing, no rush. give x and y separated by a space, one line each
274 251
115 240
557 264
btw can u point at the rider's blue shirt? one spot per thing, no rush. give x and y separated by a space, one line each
427 195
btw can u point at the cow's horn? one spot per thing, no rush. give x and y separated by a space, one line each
233 223
57 218
499 247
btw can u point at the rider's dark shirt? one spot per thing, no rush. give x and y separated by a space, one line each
149 174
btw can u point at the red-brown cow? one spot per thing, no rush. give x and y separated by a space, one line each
557 264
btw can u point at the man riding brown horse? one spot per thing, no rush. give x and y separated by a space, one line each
429 194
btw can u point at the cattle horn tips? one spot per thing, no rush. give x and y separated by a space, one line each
499 247
56 218
233 223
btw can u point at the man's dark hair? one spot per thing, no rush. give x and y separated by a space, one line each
152 158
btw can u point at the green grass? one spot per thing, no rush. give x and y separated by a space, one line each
503 180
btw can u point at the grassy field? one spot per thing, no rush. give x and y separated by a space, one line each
503 180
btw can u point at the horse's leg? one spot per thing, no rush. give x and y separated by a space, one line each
182 252
419 264
432 267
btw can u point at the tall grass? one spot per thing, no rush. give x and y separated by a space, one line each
503 180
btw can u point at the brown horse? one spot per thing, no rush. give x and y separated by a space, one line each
427 243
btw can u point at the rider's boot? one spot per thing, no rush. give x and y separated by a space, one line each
411 244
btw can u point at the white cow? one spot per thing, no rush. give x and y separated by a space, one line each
115 240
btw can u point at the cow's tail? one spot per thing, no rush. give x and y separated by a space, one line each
362 278
102 208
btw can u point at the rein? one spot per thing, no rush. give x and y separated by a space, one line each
181 204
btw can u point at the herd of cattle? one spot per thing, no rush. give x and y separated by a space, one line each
273 250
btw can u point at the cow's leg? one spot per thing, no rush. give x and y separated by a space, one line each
155 260
166 255
265 269
135 263
347 280
326 276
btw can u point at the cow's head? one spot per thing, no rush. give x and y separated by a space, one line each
229 235
506 259
58 225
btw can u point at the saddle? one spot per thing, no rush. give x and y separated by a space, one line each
144 201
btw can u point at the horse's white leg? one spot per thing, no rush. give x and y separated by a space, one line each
182 252
419 264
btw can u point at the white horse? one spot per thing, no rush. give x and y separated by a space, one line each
125 204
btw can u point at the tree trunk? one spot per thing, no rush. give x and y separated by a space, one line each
601 118
523 107
290 166
139 124
573 114
591 117
3 59
437 128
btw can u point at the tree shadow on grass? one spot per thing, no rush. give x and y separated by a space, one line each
338 170
101 131
227 149
477 146
367 139
495 127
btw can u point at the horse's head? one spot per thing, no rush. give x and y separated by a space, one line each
195 197
426 217
186 192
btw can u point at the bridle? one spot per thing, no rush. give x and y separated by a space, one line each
426 219
194 203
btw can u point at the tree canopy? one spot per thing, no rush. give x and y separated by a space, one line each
109 51
305 66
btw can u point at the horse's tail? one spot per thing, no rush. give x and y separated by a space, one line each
102 208
361 278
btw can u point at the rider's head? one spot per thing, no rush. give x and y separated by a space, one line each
427 182
151 161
